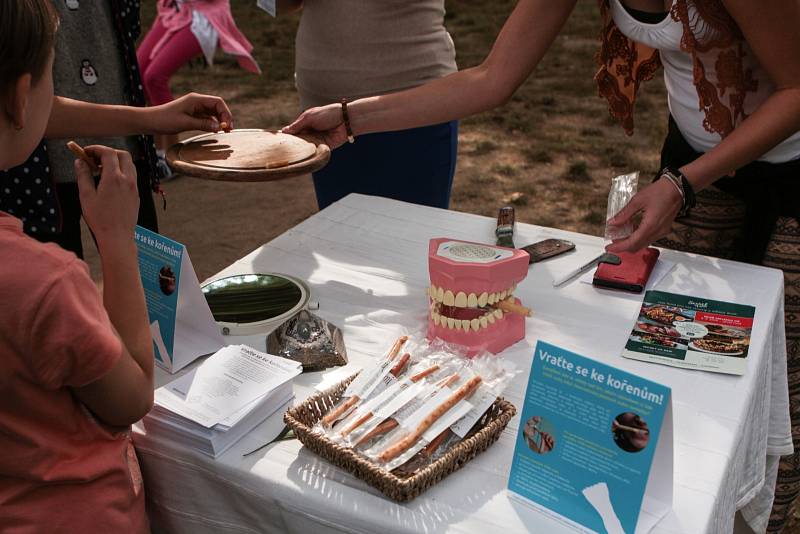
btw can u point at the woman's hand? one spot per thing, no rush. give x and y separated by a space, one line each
660 203
326 122
190 112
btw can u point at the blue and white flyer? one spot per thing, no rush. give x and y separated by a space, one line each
181 323
594 448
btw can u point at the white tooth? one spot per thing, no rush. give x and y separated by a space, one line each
503 295
476 324
492 298
465 325
436 319
451 323
439 294
498 314
484 322
432 291
490 317
448 298
461 300
459 326
472 300
483 299
513 288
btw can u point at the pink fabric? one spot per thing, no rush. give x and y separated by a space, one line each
218 13
179 47
61 470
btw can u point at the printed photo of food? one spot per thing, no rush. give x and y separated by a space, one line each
657 329
662 341
723 341
667 315
720 346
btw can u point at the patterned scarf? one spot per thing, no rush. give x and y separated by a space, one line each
710 36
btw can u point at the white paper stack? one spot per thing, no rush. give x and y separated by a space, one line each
224 398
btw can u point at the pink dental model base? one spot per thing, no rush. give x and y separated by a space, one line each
467 281
495 338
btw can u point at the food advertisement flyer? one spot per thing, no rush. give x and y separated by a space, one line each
692 333
594 447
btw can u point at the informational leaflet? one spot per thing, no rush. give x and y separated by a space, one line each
594 447
181 323
226 382
691 332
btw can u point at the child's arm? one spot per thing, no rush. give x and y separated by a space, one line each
125 394
74 118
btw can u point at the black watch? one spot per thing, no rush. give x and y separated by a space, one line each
676 176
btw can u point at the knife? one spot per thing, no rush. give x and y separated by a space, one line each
605 257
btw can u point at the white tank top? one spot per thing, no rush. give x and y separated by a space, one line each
684 103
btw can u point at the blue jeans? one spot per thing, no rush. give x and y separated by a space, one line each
414 165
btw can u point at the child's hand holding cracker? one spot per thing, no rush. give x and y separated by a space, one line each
191 112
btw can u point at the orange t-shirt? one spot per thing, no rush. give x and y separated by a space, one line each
61 470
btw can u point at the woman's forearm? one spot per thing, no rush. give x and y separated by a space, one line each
74 118
521 44
468 91
775 120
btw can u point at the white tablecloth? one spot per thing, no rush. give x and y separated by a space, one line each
365 259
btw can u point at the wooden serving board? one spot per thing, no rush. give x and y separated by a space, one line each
247 156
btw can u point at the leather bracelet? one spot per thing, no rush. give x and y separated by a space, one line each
346 119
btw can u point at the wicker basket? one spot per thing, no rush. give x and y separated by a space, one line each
303 417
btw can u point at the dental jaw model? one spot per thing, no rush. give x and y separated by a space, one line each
471 294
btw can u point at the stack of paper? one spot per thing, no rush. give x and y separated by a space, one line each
215 405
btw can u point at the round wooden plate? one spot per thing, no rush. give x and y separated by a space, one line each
247 156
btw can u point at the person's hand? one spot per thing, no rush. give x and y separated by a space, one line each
325 122
660 203
112 207
190 112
